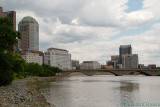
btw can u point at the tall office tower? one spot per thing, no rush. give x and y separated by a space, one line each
11 15
124 50
130 61
29 30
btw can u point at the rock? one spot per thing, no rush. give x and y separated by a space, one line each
22 92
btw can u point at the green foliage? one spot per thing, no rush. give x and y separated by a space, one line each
10 65
33 69
49 71
18 66
5 69
6 76
8 38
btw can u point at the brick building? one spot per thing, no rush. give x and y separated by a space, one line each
9 14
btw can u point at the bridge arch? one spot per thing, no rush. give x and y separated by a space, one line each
118 72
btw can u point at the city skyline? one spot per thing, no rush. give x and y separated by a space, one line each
80 33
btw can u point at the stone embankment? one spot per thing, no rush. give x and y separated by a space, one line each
24 93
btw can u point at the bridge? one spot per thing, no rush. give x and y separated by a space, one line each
118 72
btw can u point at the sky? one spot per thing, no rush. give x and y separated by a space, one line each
94 29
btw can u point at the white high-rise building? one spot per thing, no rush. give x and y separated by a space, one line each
58 58
29 30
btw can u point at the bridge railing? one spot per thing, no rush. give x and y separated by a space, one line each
80 70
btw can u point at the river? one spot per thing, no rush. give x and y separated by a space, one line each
104 91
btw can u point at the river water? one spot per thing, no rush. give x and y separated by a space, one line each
105 91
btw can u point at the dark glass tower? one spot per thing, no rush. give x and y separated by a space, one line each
124 50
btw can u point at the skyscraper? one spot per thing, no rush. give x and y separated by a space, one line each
126 58
124 50
29 30
130 61
11 15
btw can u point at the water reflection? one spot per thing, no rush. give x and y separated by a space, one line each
102 91
128 93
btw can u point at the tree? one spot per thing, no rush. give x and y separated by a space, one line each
48 71
18 66
33 69
8 39
6 73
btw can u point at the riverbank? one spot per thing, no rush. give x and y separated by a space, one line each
30 92
25 93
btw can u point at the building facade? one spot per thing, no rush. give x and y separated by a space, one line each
75 64
11 15
130 61
115 59
106 67
123 50
58 58
90 65
152 66
33 57
29 30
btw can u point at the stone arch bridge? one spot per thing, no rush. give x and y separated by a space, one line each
118 72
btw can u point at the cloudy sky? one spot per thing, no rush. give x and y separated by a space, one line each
94 29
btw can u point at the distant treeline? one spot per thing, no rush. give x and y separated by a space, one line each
12 66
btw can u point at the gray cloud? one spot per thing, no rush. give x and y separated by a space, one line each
88 28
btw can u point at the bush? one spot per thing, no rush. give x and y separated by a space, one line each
49 71
33 69
6 77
